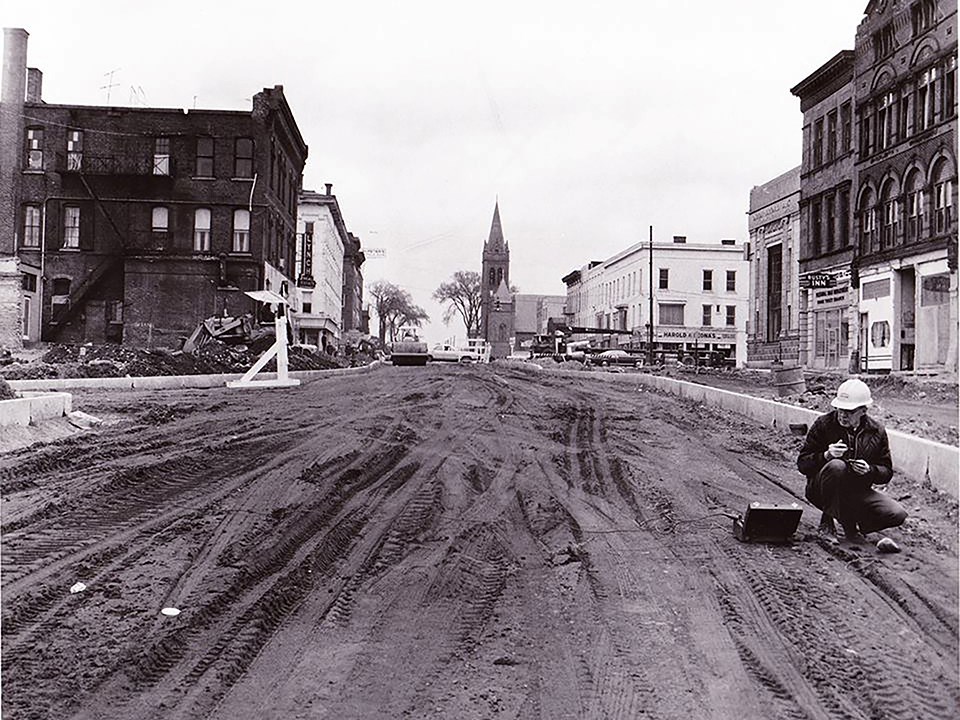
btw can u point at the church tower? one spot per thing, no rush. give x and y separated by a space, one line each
496 302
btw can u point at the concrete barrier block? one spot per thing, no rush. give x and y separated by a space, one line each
46 406
15 412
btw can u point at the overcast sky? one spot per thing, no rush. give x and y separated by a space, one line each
589 121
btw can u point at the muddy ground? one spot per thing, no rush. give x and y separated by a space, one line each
452 542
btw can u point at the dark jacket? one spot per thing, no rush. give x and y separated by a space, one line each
866 442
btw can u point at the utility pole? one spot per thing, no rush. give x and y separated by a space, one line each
650 323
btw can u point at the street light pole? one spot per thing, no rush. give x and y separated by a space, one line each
650 323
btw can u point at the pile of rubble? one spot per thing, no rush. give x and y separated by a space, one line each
72 361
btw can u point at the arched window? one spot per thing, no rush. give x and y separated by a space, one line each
493 277
890 204
868 223
942 196
499 275
913 190
502 332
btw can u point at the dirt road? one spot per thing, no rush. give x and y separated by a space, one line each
451 542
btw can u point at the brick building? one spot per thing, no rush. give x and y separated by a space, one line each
134 224
905 185
827 317
878 191
773 221
355 316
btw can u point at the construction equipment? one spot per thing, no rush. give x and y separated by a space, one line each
226 329
409 349
767 523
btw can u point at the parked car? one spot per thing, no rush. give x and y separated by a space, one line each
448 353
609 358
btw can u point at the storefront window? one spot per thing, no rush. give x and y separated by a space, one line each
880 334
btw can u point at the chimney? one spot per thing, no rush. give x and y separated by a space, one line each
34 85
14 64
11 135
329 187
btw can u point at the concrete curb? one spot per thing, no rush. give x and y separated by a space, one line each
915 457
165 382
34 407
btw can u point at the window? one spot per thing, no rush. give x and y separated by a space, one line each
31 226
71 226
948 90
707 320
161 156
816 222
201 230
74 150
831 135
905 117
883 42
160 218
831 221
34 148
307 308
846 130
865 131
844 218
868 224
915 202
241 231
708 280
880 334
891 216
60 296
243 158
204 157
114 310
922 16
671 313
664 278
924 110
885 117
731 280
29 282
732 315
942 205
818 142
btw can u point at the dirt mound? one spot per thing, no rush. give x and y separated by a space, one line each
72 361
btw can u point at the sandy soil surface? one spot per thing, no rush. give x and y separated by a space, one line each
452 542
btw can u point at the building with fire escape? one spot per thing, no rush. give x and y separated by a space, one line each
133 224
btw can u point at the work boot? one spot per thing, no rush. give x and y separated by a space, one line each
827 526
852 535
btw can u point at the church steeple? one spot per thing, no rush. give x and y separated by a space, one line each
495 243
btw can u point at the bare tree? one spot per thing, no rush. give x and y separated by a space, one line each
461 295
395 309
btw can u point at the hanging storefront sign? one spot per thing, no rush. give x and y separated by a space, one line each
817 280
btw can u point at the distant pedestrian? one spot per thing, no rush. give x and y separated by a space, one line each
844 455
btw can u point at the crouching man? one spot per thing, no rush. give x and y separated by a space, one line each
843 456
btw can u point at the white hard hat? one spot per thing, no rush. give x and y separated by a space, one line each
852 394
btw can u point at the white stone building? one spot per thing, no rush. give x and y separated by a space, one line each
321 238
700 299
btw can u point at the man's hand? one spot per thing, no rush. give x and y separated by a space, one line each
860 467
836 450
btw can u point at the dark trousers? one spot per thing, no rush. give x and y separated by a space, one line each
840 493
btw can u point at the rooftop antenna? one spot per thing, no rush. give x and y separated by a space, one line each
110 83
